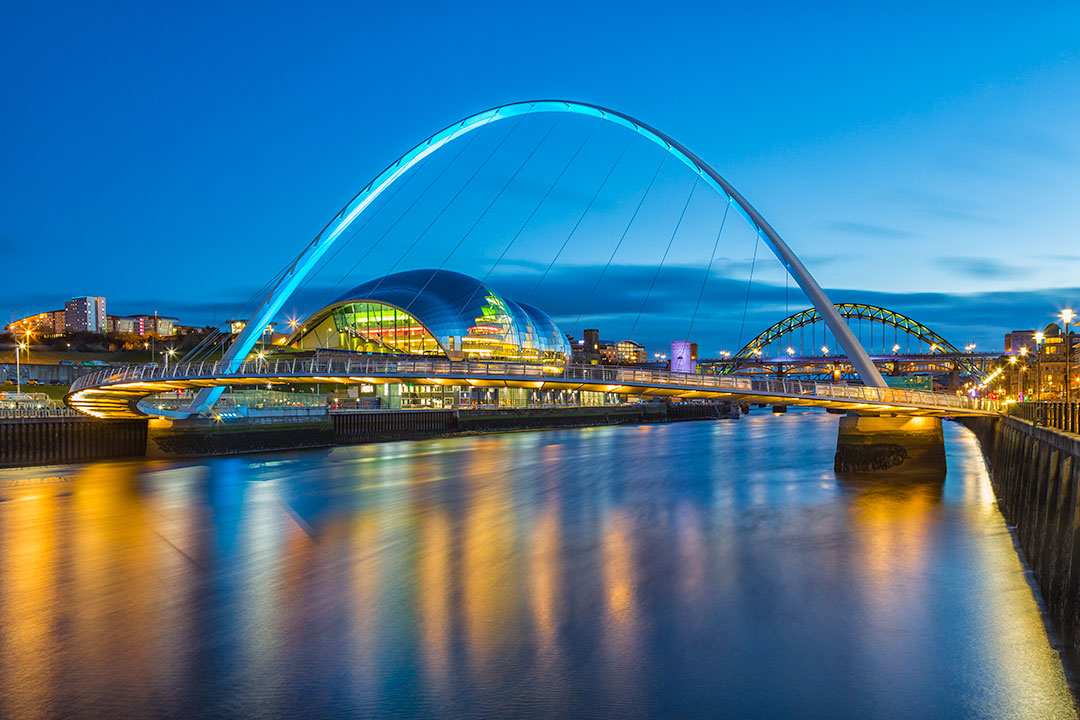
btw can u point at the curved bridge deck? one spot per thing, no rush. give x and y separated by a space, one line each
116 392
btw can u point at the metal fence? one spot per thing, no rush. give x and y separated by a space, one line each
1059 415
363 369
39 413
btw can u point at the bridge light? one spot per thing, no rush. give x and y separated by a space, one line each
896 348
825 349
790 351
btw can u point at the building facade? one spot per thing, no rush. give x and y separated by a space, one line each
43 324
435 312
1042 368
143 325
86 314
439 313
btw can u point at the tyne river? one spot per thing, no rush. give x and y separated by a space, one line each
698 569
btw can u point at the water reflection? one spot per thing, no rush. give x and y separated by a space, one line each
713 568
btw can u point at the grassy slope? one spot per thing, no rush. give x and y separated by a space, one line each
52 357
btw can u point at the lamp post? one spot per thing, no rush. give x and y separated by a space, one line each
1067 316
1039 337
18 374
29 333
1021 367
1012 361
168 353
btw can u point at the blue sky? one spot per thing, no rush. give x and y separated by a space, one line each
175 157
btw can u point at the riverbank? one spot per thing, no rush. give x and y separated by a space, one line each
205 437
1035 473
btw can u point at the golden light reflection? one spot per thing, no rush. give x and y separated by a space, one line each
891 520
27 604
366 578
435 586
545 578
621 622
488 570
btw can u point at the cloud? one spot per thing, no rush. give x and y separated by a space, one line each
719 323
966 216
860 228
977 267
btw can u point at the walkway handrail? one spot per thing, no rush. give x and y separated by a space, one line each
337 369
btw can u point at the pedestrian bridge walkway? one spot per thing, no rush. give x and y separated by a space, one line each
116 392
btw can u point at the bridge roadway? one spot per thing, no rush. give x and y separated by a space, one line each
116 392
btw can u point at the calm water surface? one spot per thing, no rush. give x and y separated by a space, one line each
692 569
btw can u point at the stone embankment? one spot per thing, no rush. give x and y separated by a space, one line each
1035 472
76 439
49 441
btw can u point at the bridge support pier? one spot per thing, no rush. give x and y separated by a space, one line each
904 446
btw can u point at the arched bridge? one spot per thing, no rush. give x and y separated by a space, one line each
786 342
304 263
115 393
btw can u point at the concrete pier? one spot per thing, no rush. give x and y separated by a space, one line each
876 444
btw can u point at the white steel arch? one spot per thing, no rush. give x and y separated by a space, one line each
307 260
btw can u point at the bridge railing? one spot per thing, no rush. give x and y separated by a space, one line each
337 369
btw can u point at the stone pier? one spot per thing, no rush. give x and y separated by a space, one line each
877 444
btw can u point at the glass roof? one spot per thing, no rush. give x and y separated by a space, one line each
463 313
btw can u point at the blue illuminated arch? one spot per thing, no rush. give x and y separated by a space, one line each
311 255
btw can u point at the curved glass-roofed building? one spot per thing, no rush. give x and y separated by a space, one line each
435 312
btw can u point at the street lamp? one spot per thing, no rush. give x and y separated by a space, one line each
1012 361
1023 356
1067 316
18 374
29 333
1039 337
168 354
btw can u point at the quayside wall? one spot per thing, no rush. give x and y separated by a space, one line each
1035 472
364 426
25 442
56 440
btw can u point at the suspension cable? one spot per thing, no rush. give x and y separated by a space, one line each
404 213
483 214
708 269
749 283
579 221
343 242
619 243
532 214
448 204
660 267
